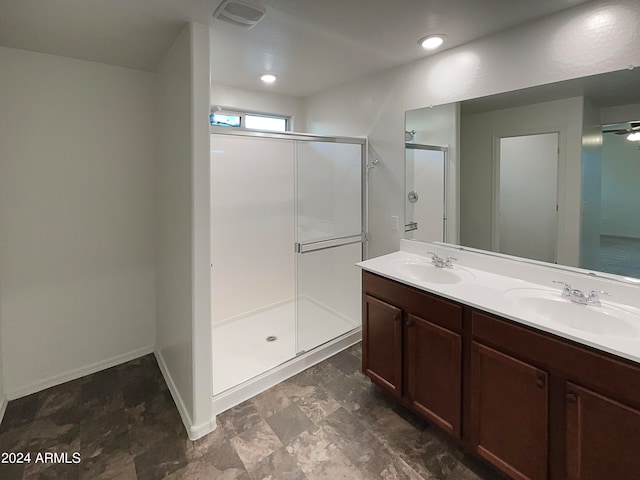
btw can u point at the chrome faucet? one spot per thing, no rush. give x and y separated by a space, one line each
594 296
578 296
440 262
566 288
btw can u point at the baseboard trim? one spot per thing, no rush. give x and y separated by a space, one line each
193 431
199 431
77 373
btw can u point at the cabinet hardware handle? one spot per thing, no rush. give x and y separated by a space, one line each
571 398
409 323
540 382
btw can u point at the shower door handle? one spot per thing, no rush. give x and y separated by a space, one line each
329 243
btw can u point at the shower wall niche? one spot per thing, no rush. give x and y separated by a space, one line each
288 226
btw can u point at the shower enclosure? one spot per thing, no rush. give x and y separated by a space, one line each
425 192
288 226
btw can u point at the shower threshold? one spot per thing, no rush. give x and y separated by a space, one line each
237 394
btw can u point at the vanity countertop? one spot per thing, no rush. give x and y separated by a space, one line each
523 292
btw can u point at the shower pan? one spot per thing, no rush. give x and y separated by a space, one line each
288 226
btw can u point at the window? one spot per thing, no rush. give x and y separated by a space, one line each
222 120
261 122
251 121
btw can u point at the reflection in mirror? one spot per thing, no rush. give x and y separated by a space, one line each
425 181
549 173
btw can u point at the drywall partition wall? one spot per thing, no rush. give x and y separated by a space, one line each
203 419
174 345
76 216
261 102
183 340
554 48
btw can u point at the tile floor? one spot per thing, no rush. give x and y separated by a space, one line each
328 422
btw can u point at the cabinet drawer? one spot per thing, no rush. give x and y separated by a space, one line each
592 368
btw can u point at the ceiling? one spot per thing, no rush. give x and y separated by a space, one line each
312 45
603 90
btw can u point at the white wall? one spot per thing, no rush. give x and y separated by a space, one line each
76 216
552 49
203 418
174 224
183 341
260 102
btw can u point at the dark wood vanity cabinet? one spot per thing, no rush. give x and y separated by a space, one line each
509 418
566 411
433 368
382 346
602 436
412 347
533 405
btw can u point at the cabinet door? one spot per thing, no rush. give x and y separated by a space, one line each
509 413
434 373
382 344
603 437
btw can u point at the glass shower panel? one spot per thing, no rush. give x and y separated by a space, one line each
425 182
329 229
253 273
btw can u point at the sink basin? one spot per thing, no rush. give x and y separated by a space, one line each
424 271
606 319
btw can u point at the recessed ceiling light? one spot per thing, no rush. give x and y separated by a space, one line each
431 42
268 77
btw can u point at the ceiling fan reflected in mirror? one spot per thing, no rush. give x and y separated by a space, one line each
631 129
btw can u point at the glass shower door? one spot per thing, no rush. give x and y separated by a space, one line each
329 240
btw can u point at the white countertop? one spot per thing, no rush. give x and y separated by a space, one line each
488 284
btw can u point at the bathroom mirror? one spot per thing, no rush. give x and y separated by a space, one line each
548 173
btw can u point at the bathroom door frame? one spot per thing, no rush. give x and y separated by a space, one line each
495 213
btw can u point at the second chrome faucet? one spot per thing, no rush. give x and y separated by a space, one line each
440 262
578 296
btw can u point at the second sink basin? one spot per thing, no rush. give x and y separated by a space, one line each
605 319
424 271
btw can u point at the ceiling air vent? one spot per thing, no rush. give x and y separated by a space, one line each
239 12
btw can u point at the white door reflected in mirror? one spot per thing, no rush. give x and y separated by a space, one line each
526 206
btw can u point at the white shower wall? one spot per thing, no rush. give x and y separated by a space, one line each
327 204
